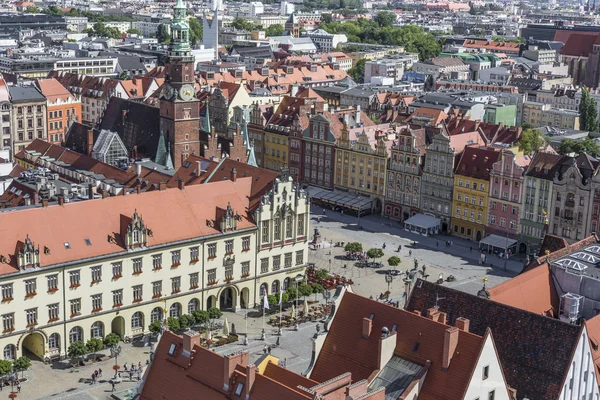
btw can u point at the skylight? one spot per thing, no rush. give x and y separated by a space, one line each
586 257
88 241
172 349
572 264
593 249
67 245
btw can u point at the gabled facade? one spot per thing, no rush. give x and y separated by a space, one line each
403 192
318 148
437 183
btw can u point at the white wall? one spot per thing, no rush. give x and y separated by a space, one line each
581 380
479 387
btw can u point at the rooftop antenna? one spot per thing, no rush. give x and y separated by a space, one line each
437 299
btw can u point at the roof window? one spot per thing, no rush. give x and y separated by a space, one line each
172 349
88 241
67 246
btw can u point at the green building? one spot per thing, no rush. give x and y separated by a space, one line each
500 114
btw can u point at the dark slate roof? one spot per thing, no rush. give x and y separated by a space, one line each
137 124
25 93
126 62
544 165
535 350
252 51
77 137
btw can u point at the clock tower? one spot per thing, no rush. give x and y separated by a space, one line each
179 107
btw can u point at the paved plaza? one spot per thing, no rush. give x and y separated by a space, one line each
295 348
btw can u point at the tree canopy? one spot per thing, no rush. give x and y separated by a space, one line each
394 261
588 146
162 35
243 24
375 253
588 112
77 349
5 367
196 31
385 18
353 247
531 140
274 30
357 72
412 37
100 29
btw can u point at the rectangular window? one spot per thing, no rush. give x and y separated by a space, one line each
176 285
287 262
194 280
212 275
156 261
7 292
277 229
276 263
137 293
117 298
212 250
176 258
52 283
96 302
137 266
300 231
245 269
300 257
194 254
117 270
492 395
246 243
289 226
75 306
264 265
30 287
228 272
156 289
31 317
265 231
96 274
74 279
8 322
228 247
53 312
486 372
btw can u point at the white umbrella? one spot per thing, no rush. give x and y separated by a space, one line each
225 328
208 334
293 315
305 309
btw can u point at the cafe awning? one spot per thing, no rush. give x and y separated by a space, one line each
423 221
498 242
342 199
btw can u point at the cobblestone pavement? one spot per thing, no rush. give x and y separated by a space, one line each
460 260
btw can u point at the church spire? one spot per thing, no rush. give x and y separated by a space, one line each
180 32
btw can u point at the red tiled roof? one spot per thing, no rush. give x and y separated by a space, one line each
477 162
345 350
53 90
580 44
531 291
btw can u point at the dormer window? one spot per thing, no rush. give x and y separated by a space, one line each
137 233
27 254
136 236
229 219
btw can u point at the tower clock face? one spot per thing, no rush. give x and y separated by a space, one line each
168 91
186 92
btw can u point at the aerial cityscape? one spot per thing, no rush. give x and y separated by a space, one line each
318 199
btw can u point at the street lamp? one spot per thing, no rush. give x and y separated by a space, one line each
116 350
297 279
389 279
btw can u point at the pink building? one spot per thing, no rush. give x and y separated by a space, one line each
506 182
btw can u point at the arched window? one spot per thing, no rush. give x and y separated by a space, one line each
97 330
54 342
286 283
137 320
76 335
156 314
9 352
263 289
275 287
193 305
175 310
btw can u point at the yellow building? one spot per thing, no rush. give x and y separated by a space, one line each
361 166
471 190
275 145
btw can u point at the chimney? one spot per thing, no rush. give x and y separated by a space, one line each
432 313
162 186
357 115
441 317
233 174
138 168
104 194
250 376
180 184
198 168
90 141
190 339
182 158
90 191
367 326
230 361
450 343
61 200
462 324
45 203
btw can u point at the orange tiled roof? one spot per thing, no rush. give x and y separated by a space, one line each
532 291
53 90
593 328
185 218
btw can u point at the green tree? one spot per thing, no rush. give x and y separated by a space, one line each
134 31
200 316
385 18
162 35
317 288
292 293
357 72
185 321
353 247
243 24
123 76
32 10
77 349
588 146
154 327
305 290
532 140
394 261
94 345
375 253
5 367
588 113
173 324
22 364
275 30
322 274
111 339
527 125
326 18
196 31
214 313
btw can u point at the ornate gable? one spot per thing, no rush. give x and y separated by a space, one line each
137 233
229 220
27 254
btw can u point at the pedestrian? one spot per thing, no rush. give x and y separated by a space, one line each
139 364
100 372
93 378
269 349
19 387
129 375
410 253
265 349
437 244
139 375
151 347
113 385
125 366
